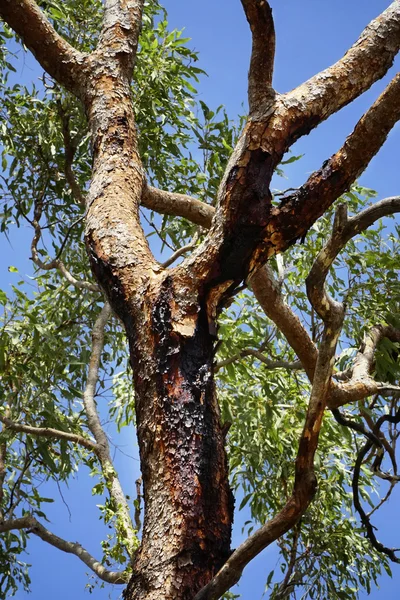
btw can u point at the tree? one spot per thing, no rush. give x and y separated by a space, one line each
131 97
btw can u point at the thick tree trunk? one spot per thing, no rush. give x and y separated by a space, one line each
188 501
189 506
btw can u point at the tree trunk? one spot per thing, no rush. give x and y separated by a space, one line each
188 501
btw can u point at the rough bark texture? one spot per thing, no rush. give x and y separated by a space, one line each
170 315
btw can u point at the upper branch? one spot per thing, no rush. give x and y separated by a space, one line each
121 28
298 211
363 64
259 16
54 54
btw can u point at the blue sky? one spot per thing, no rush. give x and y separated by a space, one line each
311 35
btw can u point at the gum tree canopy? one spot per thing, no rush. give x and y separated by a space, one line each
270 336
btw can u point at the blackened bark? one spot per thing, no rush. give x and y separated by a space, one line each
188 501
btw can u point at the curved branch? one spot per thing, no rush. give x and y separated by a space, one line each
361 384
268 293
259 16
390 552
364 63
55 54
29 522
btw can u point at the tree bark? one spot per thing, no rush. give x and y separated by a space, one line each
189 505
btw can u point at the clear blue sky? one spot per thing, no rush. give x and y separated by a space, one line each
311 35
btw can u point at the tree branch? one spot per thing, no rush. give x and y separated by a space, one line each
180 205
70 149
181 251
268 293
94 424
363 64
361 384
120 32
260 92
298 211
29 522
48 432
54 54
56 263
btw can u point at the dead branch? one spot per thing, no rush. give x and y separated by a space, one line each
260 92
31 524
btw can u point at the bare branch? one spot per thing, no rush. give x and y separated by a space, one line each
94 424
268 293
48 432
259 16
180 205
30 523
363 64
298 211
54 54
